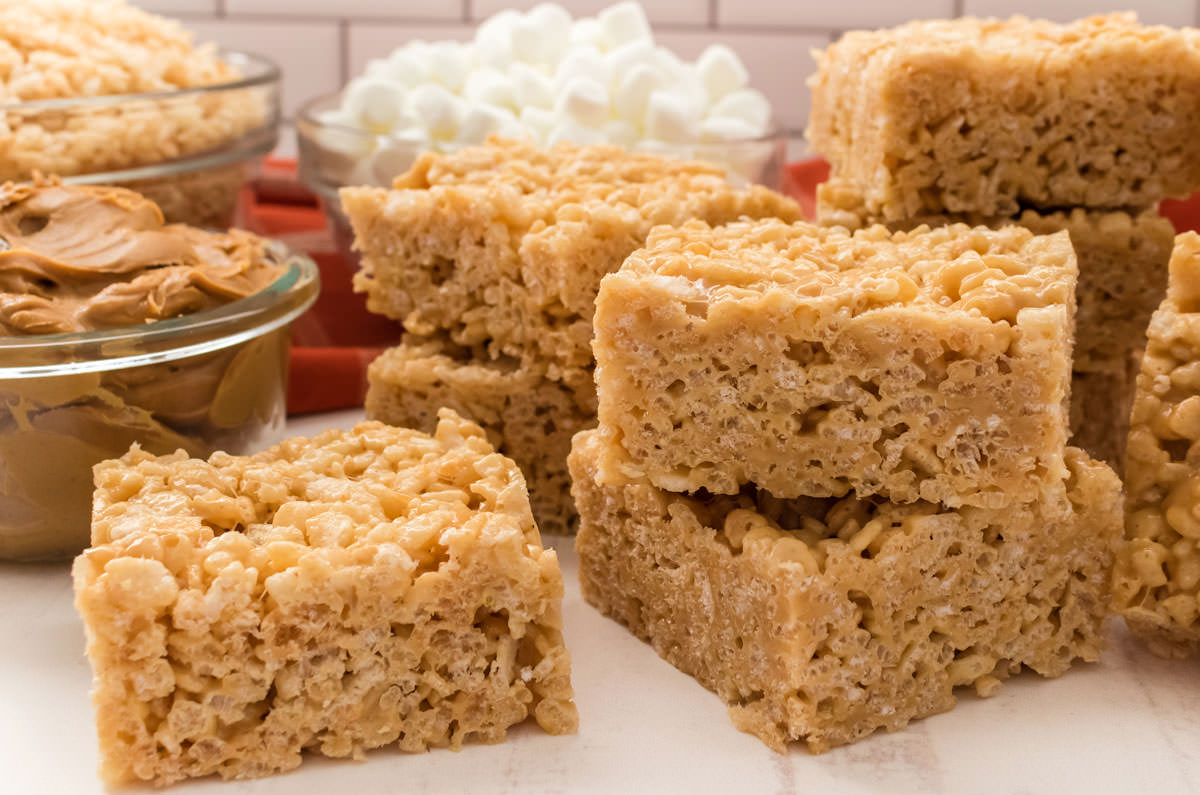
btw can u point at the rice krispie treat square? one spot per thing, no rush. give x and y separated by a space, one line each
825 620
810 361
1122 260
334 594
991 116
1157 577
1101 402
528 416
503 245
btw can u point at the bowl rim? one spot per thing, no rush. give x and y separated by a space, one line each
264 72
102 350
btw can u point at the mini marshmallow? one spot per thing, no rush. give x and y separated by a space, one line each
493 39
378 104
405 68
586 62
633 92
489 87
627 56
720 129
449 63
437 109
721 72
396 155
481 121
585 33
575 133
531 88
583 100
623 23
670 118
621 133
542 36
745 104
538 122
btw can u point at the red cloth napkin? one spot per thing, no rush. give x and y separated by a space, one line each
334 341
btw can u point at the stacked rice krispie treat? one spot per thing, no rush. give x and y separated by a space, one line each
830 478
1083 127
1157 576
491 258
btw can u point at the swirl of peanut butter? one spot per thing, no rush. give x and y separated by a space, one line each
80 258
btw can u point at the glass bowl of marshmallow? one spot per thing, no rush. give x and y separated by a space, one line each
545 75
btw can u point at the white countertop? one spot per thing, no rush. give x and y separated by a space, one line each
1129 724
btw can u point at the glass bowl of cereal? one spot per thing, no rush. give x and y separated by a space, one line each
117 329
190 150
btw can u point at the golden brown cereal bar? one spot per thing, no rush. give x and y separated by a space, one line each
1157 577
1122 265
991 116
503 245
810 361
825 620
529 416
339 593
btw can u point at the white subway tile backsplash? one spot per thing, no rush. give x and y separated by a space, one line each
309 53
839 14
659 12
779 64
349 9
367 41
1158 12
169 7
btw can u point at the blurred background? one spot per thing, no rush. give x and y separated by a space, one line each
320 44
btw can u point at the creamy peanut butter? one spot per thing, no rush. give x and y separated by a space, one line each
77 259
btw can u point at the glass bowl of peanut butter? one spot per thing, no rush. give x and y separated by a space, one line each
119 329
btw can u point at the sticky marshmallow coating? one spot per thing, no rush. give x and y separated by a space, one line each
602 80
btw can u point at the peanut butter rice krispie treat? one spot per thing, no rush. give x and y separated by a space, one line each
810 361
529 417
826 620
1122 260
992 116
334 594
1157 577
504 245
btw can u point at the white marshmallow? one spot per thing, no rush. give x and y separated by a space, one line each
538 122
720 71
531 88
481 121
719 129
671 118
623 23
633 93
585 33
680 76
489 87
583 100
396 155
621 133
746 104
405 68
377 104
449 63
627 56
541 37
433 106
586 62
574 132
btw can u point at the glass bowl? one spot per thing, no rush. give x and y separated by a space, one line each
332 156
212 380
188 150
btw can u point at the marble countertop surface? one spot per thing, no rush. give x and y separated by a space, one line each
1130 723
